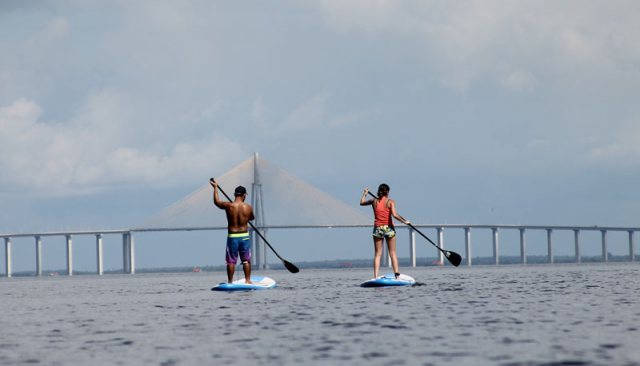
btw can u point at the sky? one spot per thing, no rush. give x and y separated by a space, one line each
475 112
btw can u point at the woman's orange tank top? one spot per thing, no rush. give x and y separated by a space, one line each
382 213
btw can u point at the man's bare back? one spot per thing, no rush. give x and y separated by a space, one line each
238 216
238 212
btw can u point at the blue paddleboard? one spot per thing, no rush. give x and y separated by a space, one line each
389 280
259 283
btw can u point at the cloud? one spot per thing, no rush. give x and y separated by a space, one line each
102 98
619 146
519 81
96 149
470 42
316 113
310 113
57 28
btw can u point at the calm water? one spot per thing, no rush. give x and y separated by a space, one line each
535 315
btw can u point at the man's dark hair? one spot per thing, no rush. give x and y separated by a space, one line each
383 189
240 190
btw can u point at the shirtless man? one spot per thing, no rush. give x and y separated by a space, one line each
383 209
239 214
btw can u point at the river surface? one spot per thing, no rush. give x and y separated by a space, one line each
585 314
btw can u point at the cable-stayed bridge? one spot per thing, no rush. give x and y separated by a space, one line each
279 200
283 201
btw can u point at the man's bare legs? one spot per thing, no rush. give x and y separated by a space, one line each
230 269
246 267
377 247
391 244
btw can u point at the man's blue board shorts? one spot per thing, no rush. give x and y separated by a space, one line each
238 243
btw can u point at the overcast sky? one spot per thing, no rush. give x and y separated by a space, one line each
473 111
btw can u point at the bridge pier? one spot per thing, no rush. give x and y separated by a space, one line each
7 257
523 247
576 236
128 253
412 247
496 257
125 253
605 254
263 250
69 255
131 246
38 255
99 269
632 249
549 246
440 233
260 250
254 248
467 244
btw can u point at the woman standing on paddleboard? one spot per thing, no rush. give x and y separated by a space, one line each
384 209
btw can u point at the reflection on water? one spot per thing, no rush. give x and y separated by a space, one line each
536 315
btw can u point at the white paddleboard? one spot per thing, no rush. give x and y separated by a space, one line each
259 283
389 280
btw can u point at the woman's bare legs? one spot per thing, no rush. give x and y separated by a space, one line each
377 247
391 244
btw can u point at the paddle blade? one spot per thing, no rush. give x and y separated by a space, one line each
290 266
453 257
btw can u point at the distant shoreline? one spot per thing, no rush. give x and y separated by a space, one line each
342 264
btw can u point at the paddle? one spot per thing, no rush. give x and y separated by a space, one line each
288 265
453 257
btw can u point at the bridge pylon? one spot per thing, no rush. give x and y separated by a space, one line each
259 247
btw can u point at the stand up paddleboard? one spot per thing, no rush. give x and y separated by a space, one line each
389 280
259 283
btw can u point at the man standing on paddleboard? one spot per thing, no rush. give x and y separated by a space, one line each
384 209
239 214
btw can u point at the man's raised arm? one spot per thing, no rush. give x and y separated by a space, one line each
216 199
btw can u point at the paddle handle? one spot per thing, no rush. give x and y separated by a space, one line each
252 226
